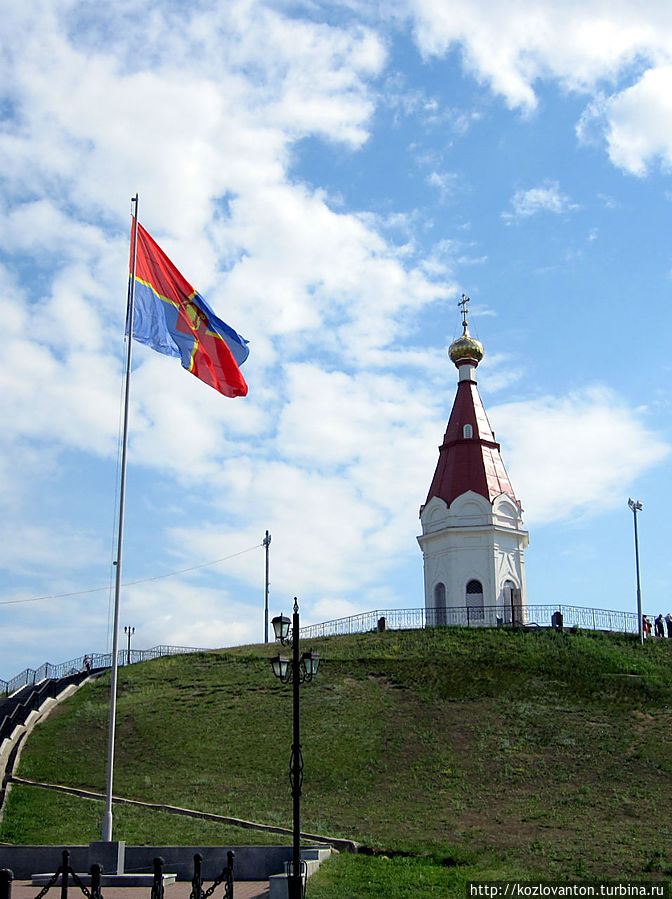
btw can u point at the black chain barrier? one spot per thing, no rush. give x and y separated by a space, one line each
65 871
226 878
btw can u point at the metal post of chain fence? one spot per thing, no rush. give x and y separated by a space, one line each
65 870
96 878
228 872
197 879
6 878
157 883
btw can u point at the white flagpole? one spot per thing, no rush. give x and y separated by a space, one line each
107 819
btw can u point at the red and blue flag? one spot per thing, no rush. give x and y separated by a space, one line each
173 318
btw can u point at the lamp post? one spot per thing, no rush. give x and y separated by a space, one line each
636 507
129 631
295 671
266 542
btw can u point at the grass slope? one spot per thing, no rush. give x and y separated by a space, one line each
459 754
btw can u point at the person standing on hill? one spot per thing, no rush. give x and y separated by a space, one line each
659 627
668 621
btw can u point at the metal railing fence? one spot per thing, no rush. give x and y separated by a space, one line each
15 710
30 676
395 619
470 616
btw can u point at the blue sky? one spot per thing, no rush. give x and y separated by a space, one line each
331 177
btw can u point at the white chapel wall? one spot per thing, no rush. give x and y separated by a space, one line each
473 540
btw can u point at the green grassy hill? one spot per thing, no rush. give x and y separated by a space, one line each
454 753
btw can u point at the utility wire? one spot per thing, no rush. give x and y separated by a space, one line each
144 580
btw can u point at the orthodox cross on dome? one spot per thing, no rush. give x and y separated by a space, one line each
465 347
464 302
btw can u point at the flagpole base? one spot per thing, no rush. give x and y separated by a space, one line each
106 828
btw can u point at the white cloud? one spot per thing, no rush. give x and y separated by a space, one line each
575 455
546 198
501 372
511 46
639 122
593 47
354 459
428 111
70 401
296 266
215 618
25 547
446 182
91 125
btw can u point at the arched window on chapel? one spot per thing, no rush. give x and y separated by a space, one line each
440 603
474 602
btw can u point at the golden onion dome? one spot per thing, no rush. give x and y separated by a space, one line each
466 347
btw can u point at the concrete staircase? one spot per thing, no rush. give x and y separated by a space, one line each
313 859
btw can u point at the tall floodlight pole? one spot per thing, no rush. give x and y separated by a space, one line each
636 507
107 818
266 543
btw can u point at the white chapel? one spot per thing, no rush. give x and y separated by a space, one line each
472 541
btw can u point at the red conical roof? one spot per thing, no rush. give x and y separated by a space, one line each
469 463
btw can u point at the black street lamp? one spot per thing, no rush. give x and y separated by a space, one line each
295 671
129 631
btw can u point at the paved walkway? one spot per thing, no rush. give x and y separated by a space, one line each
243 889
